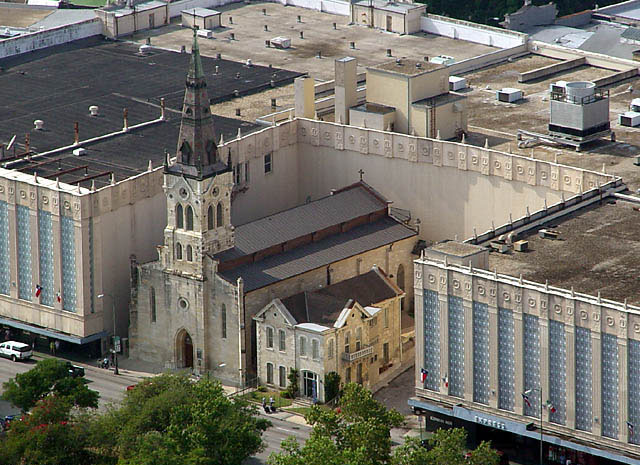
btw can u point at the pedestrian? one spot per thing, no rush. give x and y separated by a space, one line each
57 345
52 348
271 404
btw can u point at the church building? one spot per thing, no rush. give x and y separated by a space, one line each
194 307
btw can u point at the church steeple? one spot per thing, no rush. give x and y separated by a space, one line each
197 153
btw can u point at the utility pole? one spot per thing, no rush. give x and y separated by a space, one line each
115 352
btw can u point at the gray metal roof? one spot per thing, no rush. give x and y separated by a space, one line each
318 254
632 33
345 205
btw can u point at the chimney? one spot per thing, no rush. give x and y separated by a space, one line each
305 97
346 96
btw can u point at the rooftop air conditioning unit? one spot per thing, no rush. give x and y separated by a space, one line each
457 83
635 105
559 87
79 151
509 95
206 33
281 42
630 119
443 60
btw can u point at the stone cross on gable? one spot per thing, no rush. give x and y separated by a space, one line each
361 173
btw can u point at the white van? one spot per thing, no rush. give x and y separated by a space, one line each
15 350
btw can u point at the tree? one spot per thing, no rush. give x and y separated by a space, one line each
357 432
50 376
170 420
49 435
292 389
446 447
331 385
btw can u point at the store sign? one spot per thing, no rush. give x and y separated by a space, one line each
442 421
492 423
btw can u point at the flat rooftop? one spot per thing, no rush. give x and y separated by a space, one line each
598 250
498 122
57 86
319 35
407 67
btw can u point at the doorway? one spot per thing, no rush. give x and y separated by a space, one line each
184 346
152 21
310 384
389 23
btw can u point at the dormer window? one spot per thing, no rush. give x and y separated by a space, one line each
186 153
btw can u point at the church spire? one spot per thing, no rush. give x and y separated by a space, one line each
197 153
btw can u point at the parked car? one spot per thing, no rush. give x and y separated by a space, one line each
16 350
75 371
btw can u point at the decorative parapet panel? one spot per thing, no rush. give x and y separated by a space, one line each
449 154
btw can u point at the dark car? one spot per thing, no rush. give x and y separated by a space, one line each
75 371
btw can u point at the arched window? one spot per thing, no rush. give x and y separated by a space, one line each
269 337
152 304
179 217
219 221
210 218
178 251
223 321
189 218
269 373
330 349
189 253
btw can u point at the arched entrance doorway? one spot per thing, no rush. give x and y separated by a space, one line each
184 350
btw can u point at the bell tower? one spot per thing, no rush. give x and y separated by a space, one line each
198 184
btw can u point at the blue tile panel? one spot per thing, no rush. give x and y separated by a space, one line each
481 354
431 311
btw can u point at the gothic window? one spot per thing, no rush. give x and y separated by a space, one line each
189 253
189 218
211 152
178 251
152 304
315 349
268 165
223 317
185 153
219 221
210 218
179 217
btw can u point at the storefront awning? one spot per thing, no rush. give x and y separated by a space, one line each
51 333
518 428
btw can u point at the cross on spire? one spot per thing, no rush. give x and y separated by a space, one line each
361 173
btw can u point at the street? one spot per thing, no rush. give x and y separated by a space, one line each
112 389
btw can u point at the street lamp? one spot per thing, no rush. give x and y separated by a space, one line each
115 353
528 392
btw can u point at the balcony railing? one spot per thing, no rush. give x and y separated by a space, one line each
350 357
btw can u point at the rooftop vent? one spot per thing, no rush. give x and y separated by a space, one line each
79 151
39 124
144 49
93 110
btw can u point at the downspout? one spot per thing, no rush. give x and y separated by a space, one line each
241 329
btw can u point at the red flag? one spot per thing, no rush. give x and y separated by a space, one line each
59 297
526 399
38 290
423 375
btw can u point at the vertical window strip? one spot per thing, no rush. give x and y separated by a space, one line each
481 353
5 255
431 310
45 245
456 347
67 241
557 372
23 230
584 394
609 386
634 389
506 360
531 362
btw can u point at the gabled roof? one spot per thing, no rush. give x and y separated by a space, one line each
325 306
342 206
632 33
318 254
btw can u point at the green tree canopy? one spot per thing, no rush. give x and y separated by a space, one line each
357 432
446 447
170 420
484 11
49 376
